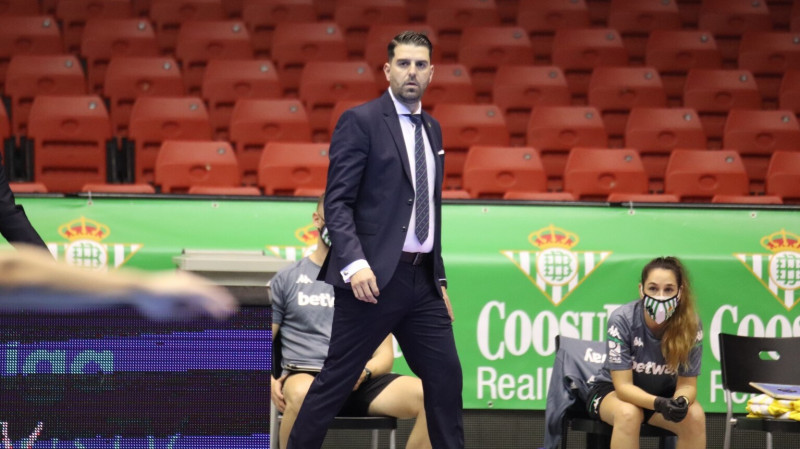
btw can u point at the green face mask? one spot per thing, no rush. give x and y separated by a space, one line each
661 309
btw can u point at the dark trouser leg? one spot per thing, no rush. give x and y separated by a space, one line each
426 337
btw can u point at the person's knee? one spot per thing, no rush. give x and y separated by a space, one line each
627 416
294 394
695 421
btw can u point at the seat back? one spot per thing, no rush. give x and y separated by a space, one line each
32 75
491 171
33 35
453 85
183 164
594 173
789 92
783 174
69 135
201 41
73 15
295 44
698 175
356 16
261 17
130 77
285 167
156 119
254 122
756 134
226 81
614 91
104 39
578 51
168 17
483 49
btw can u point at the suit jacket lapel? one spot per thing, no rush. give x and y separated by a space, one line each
393 123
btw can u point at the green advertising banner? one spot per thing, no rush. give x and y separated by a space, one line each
518 274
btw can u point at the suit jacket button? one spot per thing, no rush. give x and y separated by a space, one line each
410 201
404 228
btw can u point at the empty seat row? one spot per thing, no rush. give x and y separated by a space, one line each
596 173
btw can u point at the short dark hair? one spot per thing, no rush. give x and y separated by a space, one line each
410 38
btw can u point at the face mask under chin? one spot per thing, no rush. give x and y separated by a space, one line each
324 236
660 309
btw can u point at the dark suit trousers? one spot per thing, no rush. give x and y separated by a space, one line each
409 307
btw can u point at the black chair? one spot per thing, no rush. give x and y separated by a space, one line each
757 359
373 423
598 433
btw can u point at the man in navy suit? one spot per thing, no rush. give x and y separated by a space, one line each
14 224
383 213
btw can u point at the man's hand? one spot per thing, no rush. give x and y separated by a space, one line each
276 388
365 286
447 303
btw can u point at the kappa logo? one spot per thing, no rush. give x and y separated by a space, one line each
779 270
85 247
307 235
638 342
554 267
614 332
303 279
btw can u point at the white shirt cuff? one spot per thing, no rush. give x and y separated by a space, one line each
353 268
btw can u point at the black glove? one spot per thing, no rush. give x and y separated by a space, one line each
673 409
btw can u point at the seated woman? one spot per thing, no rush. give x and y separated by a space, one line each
653 354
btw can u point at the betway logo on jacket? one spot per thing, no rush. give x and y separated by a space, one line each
323 299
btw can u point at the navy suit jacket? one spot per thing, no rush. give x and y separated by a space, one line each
14 224
370 193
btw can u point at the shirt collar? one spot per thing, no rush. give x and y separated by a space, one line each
401 108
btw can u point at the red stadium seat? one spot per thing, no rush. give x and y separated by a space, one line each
32 75
323 83
729 19
450 17
226 81
539 196
255 122
104 39
484 49
674 52
73 15
756 134
201 41
168 16
118 188
5 126
614 91
698 175
621 197
355 17
295 44
747 199
69 135
782 176
518 89
225 191
338 110
789 95
593 173
285 167
313 192
636 19
554 130
579 51
379 37
262 16
128 78
27 187
183 164
712 93
768 55
36 35
541 19
452 84
19 8
156 119
465 126
490 171
656 132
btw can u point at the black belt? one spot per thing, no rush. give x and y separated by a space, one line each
414 258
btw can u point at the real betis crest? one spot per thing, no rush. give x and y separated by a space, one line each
307 235
85 247
554 267
778 270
